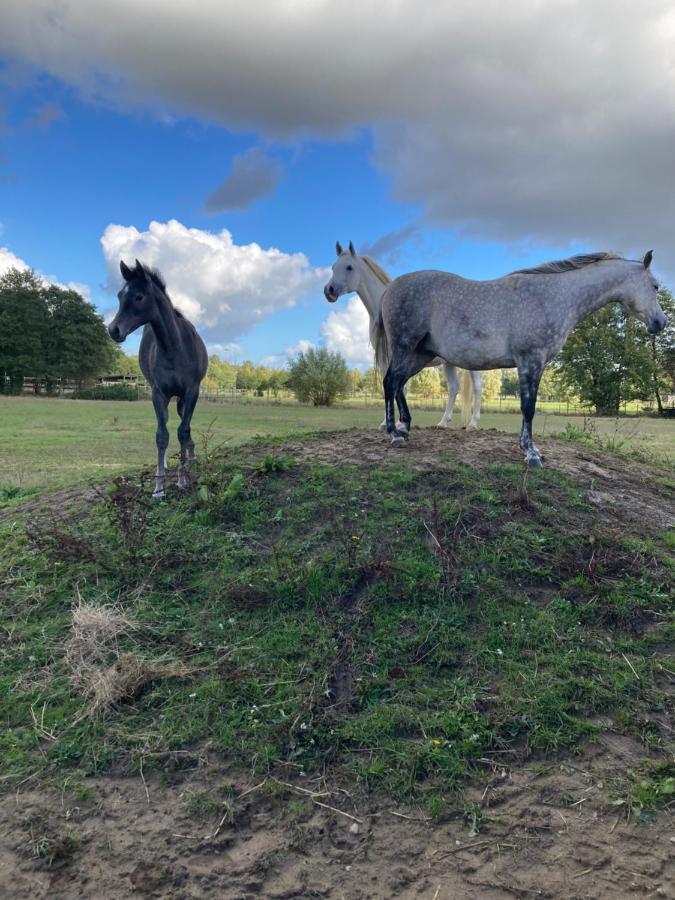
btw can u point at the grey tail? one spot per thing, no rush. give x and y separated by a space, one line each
381 347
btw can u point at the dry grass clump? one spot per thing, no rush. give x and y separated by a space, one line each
103 673
125 678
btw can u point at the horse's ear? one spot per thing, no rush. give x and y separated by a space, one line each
127 274
351 249
647 261
338 248
140 272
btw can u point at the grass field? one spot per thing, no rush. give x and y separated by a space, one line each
316 628
48 444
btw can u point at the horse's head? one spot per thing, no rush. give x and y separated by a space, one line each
638 295
346 275
137 304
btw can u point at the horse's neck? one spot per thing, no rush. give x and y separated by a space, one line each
593 292
165 325
370 291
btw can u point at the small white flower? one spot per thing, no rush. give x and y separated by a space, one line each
192 696
500 652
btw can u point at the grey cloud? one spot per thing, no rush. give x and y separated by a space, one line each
44 116
387 248
550 122
253 176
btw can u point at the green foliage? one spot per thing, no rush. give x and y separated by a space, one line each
48 332
107 392
607 360
24 325
319 377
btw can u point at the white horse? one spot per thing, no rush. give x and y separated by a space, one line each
361 274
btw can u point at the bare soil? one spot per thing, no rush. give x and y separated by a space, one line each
546 831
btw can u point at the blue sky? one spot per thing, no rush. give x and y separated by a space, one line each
487 186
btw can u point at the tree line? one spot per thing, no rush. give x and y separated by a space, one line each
53 334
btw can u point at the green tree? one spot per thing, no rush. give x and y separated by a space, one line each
372 381
319 377
77 346
662 351
426 383
247 376
23 329
123 364
608 360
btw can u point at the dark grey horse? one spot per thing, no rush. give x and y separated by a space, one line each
521 320
172 357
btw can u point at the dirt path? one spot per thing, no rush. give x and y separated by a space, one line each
546 831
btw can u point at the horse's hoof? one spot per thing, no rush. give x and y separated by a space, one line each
534 462
442 425
398 440
158 495
402 427
383 426
471 428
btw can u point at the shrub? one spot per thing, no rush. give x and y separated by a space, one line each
107 392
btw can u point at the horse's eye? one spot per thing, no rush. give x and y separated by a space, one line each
350 268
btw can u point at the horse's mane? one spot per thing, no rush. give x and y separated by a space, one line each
567 265
377 270
158 280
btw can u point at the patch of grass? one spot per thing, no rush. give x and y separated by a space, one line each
67 443
392 628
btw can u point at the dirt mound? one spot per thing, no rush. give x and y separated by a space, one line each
546 833
615 486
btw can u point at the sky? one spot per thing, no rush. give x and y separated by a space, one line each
230 145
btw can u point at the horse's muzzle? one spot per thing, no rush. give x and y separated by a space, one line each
329 294
657 324
115 333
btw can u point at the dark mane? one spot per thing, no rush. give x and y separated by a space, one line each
567 265
158 280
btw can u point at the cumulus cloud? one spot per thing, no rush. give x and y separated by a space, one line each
9 260
528 120
224 287
346 330
280 360
253 176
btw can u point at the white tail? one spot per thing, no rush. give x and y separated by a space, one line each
467 397
381 347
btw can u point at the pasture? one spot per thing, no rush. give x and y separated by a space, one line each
65 443
334 668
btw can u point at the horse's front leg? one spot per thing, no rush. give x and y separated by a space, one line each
186 407
529 375
453 387
477 381
161 404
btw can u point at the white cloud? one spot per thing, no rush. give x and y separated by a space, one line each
228 352
9 260
553 121
223 287
346 330
280 360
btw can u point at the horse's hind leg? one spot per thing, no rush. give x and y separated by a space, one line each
529 375
161 404
399 371
453 387
186 407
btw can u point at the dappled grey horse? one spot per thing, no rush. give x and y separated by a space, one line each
365 277
172 357
521 320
